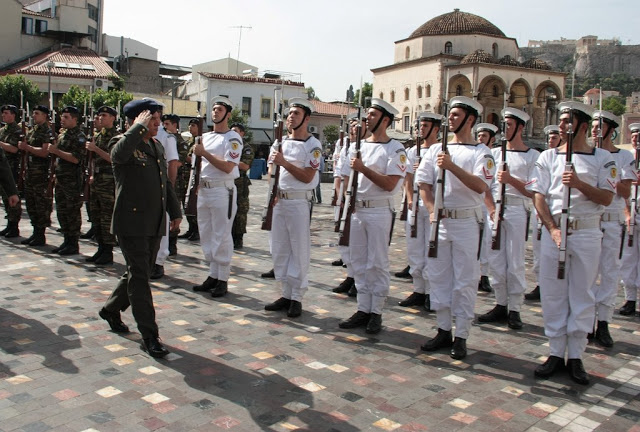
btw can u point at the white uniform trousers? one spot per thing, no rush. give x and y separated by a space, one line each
418 249
486 244
507 264
369 249
343 250
215 225
454 274
163 251
605 293
535 247
291 246
629 271
568 304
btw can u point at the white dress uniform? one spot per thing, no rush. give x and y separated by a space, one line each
417 248
507 263
342 169
217 204
290 232
453 275
168 141
568 304
371 223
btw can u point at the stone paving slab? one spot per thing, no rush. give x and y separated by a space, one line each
234 366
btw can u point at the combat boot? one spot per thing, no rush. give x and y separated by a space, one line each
4 231
72 247
629 308
62 246
534 294
442 340
173 245
514 321
237 242
459 349
484 285
344 286
195 236
497 314
28 240
38 239
603 337
96 255
415 299
13 230
106 258
404 273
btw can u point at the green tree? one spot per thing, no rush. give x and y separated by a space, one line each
311 94
331 134
615 105
78 97
243 119
12 85
367 91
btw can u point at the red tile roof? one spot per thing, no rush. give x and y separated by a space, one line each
336 109
69 63
250 79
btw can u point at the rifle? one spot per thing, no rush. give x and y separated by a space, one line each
334 199
634 202
438 199
89 163
416 191
24 155
51 171
272 191
340 203
498 215
191 202
405 205
599 144
566 202
352 190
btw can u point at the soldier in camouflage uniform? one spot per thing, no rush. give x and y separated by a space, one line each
192 233
38 205
103 185
171 123
10 135
70 151
242 184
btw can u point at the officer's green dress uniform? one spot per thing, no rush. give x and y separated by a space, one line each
242 184
10 134
144 195
39 207
68 184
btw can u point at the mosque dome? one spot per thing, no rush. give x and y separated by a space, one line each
478 56
534 63
456 23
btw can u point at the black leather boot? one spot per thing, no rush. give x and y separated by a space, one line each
209 284
552 365
459 349
220 289
39 239
603 337
96 255
374 325
344 286
577 372
533 295
484 285
13 230
404 273
442 340
415 299
629 308
513 321
497 314
173 245
62 246
106 258
72 247
28 240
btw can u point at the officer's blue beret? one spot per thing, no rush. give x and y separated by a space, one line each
135 107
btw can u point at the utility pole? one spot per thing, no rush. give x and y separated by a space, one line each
239 39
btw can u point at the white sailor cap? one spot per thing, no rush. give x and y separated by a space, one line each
431 117
565 107
386 108
487 127
301 103
467 104
607 117
552 130
634 127
221 100
516 114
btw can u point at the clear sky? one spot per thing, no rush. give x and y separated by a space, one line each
333 43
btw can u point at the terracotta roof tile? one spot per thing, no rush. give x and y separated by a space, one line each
331 108
457 22
70 63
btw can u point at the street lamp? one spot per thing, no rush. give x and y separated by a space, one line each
50 64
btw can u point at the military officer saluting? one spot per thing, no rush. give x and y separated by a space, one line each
103 186
568 304
242 184
10 135
38 205
70 150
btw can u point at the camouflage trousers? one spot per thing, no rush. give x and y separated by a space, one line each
102 200
240 222
39 206
13 213
68 205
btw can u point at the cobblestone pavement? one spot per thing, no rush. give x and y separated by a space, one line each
234 366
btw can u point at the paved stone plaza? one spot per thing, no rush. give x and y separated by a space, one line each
234 366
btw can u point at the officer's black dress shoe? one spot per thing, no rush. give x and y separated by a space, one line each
337 263
513 321
280 304
268 275
358 319
533 295
459 349
549 367
415 299
153 347
442 340
344 286
295 309
220 289
484 285
629 308
158 272
374 325
577 372
603 337
404 273
114 320
497 314
207 285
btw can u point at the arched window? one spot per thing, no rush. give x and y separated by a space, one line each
458 90
428 90
407 53
392 96
448 48
406 94
381 95
495 91
494 49
419 92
